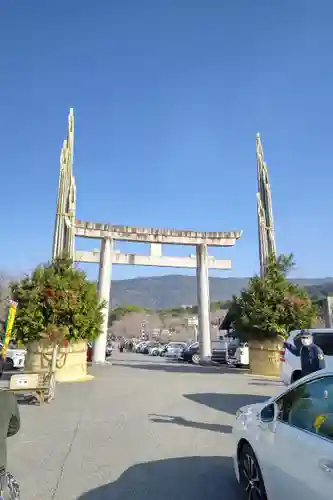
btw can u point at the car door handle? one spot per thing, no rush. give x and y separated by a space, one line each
327 467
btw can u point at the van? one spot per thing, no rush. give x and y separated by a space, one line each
290 367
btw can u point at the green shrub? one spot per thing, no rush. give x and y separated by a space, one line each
56 296
272 306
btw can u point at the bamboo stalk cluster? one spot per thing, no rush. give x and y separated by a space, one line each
64 228
267 246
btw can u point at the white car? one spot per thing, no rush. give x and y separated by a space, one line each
15 358
284 446
290 367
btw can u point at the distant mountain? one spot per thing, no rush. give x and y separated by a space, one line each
161 292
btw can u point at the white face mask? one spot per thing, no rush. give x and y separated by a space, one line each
306 342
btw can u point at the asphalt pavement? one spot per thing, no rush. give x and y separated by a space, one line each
142 429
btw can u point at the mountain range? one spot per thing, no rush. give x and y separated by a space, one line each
162 292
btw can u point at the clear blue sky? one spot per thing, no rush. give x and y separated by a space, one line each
168 97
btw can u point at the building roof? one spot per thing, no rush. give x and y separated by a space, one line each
226 322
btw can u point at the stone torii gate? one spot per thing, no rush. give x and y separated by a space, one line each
67 227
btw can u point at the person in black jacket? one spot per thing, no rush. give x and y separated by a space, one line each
312 356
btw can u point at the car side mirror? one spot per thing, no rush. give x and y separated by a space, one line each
268 413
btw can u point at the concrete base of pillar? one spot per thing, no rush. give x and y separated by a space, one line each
206 361
101 363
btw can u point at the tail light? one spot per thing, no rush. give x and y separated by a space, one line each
282 355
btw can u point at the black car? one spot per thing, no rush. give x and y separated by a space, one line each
219 352
191 353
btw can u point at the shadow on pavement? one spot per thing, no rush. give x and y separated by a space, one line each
185 478
228 403
168 419
178 368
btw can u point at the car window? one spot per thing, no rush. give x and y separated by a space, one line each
325 342
322 339
309 407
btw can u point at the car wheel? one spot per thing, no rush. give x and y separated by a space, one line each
250 476
195 359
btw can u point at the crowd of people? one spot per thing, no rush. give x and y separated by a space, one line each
126 345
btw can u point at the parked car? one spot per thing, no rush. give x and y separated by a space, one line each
283 448
191 353
156 349
238 352
15 357
174 350
290 366
219 348
163 350
140 346
148 345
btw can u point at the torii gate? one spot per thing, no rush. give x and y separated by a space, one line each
67 227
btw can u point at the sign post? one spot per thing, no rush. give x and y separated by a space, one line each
193 322
9 326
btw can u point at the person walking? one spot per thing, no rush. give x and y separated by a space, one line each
9 426
312 356
122 345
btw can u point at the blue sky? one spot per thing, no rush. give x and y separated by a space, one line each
168 97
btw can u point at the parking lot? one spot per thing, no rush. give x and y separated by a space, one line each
143 428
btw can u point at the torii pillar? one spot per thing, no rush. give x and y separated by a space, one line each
104 291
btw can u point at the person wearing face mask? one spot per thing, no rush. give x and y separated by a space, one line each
312 356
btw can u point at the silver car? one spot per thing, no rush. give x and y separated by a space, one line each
174 350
